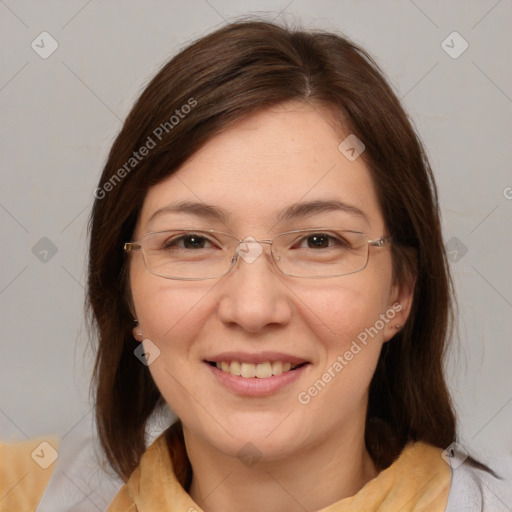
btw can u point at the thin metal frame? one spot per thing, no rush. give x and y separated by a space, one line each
137 246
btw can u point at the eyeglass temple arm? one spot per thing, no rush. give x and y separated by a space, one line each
381 242
132 246
137 246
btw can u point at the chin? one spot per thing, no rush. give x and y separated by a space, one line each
272 436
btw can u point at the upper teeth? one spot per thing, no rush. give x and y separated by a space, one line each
261 370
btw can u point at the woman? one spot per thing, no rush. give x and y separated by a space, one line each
266 259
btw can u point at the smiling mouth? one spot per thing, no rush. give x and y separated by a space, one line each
260 371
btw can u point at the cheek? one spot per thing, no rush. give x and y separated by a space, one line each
172 317
348 320
344 309
349 343
161 305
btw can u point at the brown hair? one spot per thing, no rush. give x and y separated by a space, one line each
240 69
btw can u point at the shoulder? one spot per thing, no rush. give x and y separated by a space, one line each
81 480
25 470
50 474
475 489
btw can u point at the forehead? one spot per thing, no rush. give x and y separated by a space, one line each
267 162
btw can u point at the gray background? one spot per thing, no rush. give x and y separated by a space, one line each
61 114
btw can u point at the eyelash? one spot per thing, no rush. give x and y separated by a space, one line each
332 240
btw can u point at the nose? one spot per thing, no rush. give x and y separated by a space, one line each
253 296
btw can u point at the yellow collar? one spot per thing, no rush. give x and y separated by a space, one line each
418 480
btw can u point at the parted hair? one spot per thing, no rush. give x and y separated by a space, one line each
240 69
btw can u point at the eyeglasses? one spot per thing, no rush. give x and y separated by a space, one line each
193 255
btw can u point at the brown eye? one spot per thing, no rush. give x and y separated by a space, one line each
318 241
189 241
193 242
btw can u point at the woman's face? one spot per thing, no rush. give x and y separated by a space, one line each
284 156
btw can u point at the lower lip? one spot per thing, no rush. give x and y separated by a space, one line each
255 386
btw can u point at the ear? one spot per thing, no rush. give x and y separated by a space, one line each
137 330
137 333
400 303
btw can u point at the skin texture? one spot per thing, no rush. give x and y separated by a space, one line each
311 455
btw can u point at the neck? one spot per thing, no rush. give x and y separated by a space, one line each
312 479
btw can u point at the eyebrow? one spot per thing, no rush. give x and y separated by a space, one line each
318 206
204 210
294 211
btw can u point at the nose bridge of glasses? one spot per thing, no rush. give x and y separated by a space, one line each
250 249
252 240
287 253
